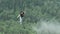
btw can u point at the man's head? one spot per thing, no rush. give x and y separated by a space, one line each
21 13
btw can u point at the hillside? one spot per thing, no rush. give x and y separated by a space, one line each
35 12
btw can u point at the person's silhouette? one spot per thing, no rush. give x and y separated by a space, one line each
20 16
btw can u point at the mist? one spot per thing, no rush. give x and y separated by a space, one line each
47 27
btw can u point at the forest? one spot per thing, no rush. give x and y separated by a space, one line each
36 12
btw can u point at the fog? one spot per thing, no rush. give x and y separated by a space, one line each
47 27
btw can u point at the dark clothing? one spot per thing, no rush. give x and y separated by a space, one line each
21 15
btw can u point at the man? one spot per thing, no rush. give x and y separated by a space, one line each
21 15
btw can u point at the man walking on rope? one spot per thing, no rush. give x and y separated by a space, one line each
21 15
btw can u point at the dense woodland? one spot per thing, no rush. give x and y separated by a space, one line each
35 10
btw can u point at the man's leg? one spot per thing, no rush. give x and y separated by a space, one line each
20 20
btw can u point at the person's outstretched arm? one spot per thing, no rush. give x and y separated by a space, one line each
18 16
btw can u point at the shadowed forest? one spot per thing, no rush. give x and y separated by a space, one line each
41 17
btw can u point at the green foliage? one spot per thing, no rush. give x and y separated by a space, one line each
35 10
12 27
